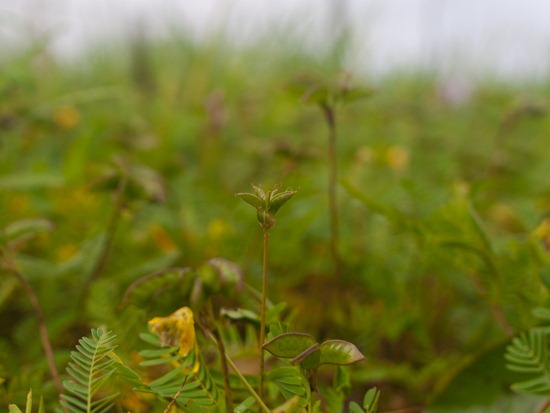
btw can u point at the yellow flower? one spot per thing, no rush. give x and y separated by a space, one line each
397 158
217 229
162 239
66 117
542 230
177 329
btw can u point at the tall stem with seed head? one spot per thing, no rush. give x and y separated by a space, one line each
267 203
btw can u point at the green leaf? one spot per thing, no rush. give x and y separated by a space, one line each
245 405
285 380
278 200
278 328
529 354
289 345
12 408
356 93
28 407
370 401
292 405
273 314
342 379
222 275
240 314
251 199
355 408
146 288
542 313
339 352
317 95
41 408
90 368
459 386
308 359
24 229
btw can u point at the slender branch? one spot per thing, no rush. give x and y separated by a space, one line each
111 229
225 373
544 406
330 117
43 331
243 379
262 314
223 360
246 384
175 396
497 311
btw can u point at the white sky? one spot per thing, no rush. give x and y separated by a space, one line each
504 37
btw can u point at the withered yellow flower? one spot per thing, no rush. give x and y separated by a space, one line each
177 329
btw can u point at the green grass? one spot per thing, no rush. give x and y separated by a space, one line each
211 120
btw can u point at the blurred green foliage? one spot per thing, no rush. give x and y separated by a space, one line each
444 205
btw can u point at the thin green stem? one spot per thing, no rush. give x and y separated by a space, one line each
111 230
43 331
330 117
167 409
263 311
223 358
245 382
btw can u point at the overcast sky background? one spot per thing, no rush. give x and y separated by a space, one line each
502 38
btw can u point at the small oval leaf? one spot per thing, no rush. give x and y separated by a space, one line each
339 352
251 199
289 345
26 228
279 200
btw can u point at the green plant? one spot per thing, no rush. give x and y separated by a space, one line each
528 354
91 366
304 352
329 96
12 238
266 204
127 182
12 408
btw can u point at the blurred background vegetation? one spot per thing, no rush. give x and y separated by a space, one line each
443 202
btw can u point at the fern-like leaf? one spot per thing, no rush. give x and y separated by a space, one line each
200 389
290 383
528 354
91 366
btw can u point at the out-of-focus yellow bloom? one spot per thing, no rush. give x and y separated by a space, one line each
177 329
364 154
506 217
397 158
217 229
162 239
66 117
462 188
66 252
18 203
542 231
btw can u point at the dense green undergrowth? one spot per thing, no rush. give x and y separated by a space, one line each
126 164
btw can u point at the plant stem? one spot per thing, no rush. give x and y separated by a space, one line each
262 314
111 229
175 396
225 370
43 331
225 374
245 382
330 117
544 406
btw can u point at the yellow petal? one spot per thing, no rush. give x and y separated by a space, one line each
177 329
